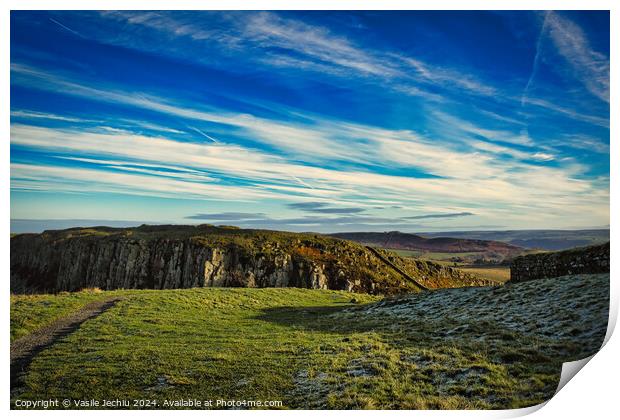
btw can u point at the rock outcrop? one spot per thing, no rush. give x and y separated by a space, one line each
587 260
166 257
131 263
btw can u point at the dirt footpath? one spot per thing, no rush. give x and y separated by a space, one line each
26 348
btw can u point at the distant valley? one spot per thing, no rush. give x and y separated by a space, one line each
471 245
545 239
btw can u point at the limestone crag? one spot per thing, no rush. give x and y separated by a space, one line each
175 256
165 264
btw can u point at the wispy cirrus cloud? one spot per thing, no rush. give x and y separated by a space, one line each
560 36
589 66
318 44
30 177
583 142
322 207
293 44
447 77
306 139
505 136
321 139
199 171
218 123
65 27
230 216
315 140
568 112
440 215
22 113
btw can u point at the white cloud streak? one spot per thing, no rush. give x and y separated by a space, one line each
589 66
289 43
307 47
320 138
135 166
19 113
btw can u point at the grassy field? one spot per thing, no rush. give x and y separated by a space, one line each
306 348
496 273
433 256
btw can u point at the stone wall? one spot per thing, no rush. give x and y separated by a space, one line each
588 260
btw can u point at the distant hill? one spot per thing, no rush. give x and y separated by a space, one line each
409 241
552 240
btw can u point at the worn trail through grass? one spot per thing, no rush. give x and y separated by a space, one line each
23 350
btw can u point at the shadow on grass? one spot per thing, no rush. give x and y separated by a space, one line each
500 345
450 358
317 318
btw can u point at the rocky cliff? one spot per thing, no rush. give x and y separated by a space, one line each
586 260
164 257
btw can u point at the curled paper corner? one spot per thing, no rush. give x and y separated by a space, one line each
570 369
613 318
520 412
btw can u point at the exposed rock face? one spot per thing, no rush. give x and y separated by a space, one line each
167 257
165 264
588 260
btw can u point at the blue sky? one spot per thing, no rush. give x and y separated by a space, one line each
311 121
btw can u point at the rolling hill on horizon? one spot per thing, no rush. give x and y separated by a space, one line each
546 239
501 241
412 242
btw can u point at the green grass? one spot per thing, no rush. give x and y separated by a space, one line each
405 252
433 256
499 274
31 312
281 344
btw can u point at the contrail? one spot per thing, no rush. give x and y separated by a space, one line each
301 182
217 142
204 134
67 28
536 59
